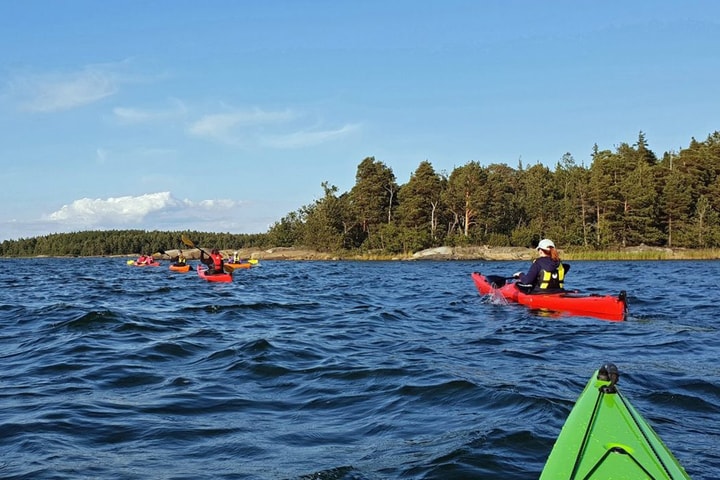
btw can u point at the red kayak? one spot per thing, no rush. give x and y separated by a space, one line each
153 264
213 277
606 307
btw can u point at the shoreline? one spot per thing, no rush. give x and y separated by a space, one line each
478 253
474 253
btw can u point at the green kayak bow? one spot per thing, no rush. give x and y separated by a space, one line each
604 437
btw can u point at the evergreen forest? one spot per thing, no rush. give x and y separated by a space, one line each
626 197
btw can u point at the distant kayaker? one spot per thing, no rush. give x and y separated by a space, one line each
180 260
547 271
236 257
215 261
144 260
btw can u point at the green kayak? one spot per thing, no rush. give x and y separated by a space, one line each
604 437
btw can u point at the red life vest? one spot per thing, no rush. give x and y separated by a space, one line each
217 261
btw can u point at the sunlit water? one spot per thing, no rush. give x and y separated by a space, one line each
335 370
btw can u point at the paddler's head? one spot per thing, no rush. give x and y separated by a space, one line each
545 246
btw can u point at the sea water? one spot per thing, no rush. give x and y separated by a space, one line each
336 370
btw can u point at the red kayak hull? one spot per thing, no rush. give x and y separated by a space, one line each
605 307
215 277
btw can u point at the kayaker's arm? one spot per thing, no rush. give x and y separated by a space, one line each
531 276
206 260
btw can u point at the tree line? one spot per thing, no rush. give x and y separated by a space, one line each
626 197
96 243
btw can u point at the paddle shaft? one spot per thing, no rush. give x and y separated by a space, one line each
190 244
497 280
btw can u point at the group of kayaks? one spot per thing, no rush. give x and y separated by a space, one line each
202 270
604 436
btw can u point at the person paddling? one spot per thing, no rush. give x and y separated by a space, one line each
547 273
214 262
144 260
180 260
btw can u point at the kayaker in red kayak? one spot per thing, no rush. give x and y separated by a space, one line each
144 260
215 261
547 273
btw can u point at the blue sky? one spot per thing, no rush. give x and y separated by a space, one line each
227 115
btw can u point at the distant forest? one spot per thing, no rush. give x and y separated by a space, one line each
627 197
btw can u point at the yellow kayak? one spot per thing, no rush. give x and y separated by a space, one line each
246 264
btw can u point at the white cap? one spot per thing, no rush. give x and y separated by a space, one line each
545 244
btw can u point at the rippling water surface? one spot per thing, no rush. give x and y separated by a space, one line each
335 370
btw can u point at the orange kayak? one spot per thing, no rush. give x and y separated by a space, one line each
179 268
239 265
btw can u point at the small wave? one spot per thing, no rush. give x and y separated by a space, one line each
90 320
336 473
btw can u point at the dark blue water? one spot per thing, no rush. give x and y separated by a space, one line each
335 370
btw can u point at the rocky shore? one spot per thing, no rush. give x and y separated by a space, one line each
482 252
439 253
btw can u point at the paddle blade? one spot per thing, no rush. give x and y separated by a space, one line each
496 281
187 241
228 268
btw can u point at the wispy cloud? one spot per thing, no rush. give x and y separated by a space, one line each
231 127
101 155
271 129
63 91
128 115
306 138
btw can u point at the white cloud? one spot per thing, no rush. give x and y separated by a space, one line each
212 204
89 211
153 211
64 91
150 211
